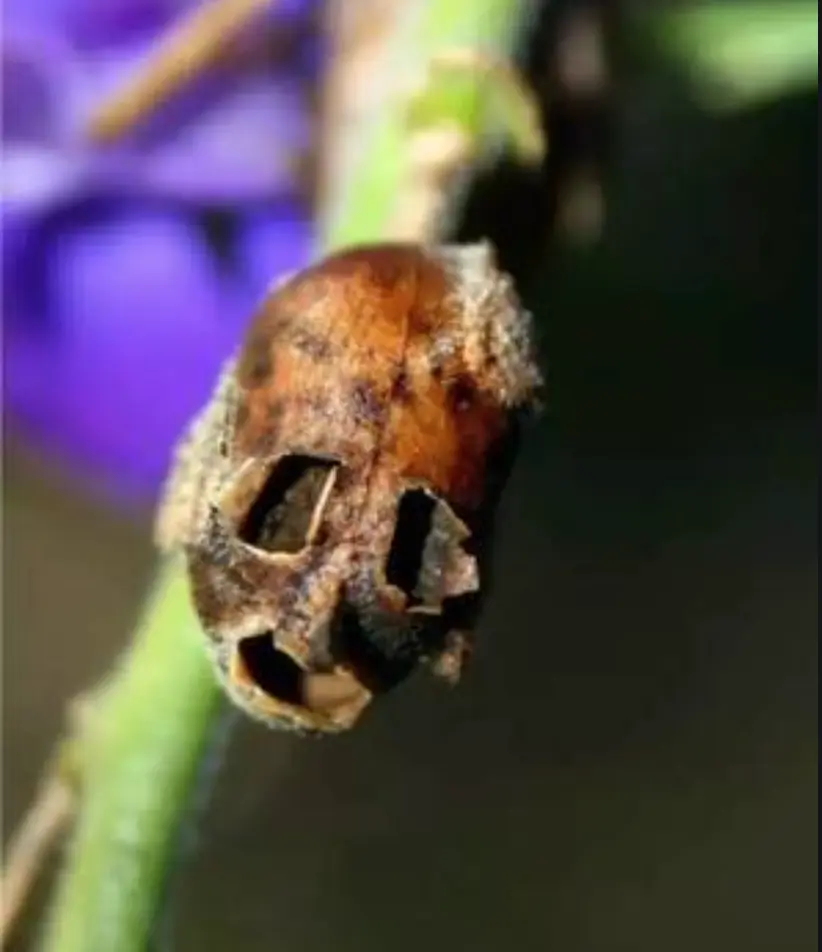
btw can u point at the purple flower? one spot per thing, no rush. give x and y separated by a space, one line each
129 271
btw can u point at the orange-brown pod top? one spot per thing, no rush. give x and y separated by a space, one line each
330 499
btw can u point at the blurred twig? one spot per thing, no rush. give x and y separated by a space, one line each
45 821
195 44
47 818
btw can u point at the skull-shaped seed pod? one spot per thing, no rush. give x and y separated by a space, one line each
333 500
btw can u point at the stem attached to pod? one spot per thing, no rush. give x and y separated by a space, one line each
151 726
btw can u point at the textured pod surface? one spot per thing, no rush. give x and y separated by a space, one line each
333 500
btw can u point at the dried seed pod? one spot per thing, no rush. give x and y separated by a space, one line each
334 498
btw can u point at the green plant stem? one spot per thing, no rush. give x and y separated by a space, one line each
141 756
151 728
363 208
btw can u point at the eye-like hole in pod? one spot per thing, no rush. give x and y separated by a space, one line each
272 670
337 694
285 515
427 560
415 519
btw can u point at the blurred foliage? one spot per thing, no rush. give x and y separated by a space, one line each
741 53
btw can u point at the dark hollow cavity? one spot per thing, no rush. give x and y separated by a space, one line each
414 522
280 517
381 655
272 670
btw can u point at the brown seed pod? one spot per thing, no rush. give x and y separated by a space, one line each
333 500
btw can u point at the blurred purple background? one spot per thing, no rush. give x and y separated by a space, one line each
130 270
